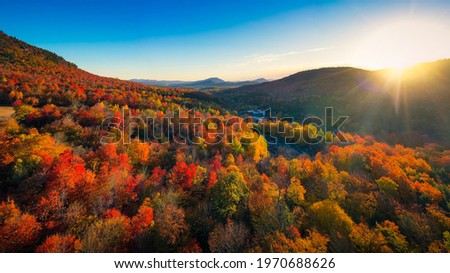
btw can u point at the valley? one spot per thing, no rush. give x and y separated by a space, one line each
209 180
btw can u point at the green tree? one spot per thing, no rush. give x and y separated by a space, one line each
237 146
387 186
229 194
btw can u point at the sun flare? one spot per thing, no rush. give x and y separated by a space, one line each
400 66
403 43
397 71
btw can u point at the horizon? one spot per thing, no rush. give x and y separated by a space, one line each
346 149
237 42
293 73
250 79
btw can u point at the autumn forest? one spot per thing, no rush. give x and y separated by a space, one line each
63 189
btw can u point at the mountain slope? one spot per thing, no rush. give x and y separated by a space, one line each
17 52
37 77
63 190
377 102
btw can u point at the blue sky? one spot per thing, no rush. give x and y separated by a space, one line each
234 40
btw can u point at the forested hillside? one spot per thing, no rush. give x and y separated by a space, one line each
207 186
409 107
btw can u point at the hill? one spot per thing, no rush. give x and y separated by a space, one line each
37 77
18 53
210 84
377 102
69 184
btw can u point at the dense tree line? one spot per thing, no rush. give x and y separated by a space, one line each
62 190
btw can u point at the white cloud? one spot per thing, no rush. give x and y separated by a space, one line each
263 58
258 58
317 49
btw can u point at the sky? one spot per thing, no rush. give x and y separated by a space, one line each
234 39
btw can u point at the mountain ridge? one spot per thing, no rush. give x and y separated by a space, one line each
209 84
12 47
379 102
35 76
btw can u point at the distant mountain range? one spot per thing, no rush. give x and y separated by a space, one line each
405 106
411 107
210 84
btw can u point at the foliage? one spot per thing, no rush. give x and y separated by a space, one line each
229 195
62 189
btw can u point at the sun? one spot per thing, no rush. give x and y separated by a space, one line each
400 66
397 71
396 74
398 44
